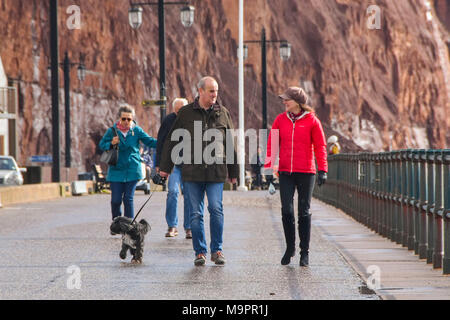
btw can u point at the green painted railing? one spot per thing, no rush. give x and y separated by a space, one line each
403 195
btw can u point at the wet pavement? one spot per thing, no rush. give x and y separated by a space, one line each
395 272
62 249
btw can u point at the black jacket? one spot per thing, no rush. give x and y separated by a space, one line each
162 134
196 169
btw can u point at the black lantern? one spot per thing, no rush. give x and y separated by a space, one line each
245 52
285 50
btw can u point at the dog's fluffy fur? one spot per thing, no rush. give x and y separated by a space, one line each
132 236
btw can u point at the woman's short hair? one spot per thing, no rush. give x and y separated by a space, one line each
126 108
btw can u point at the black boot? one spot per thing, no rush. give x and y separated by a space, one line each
304 259
304 230
289 234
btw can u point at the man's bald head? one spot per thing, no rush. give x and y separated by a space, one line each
208 90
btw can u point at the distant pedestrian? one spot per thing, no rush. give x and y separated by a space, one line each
256 164
175 182
333 145
124 176
201 176
300 134
147 161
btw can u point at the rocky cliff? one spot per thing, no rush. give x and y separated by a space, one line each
377 86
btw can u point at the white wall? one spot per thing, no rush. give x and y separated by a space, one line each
3 78
3 122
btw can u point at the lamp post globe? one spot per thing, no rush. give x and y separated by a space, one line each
81 72
187 16
135 17
285 50
49 73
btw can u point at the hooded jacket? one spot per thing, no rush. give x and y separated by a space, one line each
297 143
128 167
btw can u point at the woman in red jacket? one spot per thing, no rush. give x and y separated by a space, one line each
297 135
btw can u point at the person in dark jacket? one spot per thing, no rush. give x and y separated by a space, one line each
202 173
175 181
124 176
256 165
299 134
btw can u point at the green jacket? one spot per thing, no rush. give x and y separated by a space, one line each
195 167
128 167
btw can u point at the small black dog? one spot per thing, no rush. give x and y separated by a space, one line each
132 236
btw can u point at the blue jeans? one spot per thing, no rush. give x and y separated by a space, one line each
174 185
214 192
122 192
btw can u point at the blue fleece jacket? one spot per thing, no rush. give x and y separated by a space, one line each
128 166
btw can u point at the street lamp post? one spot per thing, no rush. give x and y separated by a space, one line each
54 85
264 78
135 20
81 73
285 53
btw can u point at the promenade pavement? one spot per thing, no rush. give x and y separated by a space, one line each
62 249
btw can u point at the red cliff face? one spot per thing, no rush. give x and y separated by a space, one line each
443 11
378 89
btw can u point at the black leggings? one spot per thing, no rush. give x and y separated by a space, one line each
304 182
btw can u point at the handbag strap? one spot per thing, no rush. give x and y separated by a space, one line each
115 134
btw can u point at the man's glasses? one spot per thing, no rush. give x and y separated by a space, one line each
126 119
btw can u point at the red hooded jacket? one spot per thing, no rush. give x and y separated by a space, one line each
295 143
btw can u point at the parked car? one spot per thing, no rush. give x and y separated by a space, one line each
10 173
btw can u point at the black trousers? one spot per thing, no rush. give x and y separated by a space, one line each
304 183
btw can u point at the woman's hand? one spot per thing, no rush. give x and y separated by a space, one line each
322 178
115 140
275 171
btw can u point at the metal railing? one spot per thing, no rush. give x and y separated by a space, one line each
403 195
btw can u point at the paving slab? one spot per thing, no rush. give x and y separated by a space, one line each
41 242
402 274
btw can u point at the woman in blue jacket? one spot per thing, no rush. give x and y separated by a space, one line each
124 176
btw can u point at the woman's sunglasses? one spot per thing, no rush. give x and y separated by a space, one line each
126 119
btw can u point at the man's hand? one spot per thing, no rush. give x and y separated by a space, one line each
163 174
233 180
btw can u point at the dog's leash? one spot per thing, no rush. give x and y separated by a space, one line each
151 194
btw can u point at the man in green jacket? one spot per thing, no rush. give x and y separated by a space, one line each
209 157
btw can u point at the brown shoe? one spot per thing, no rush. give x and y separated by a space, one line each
218 258
200 259
172 232
188 234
